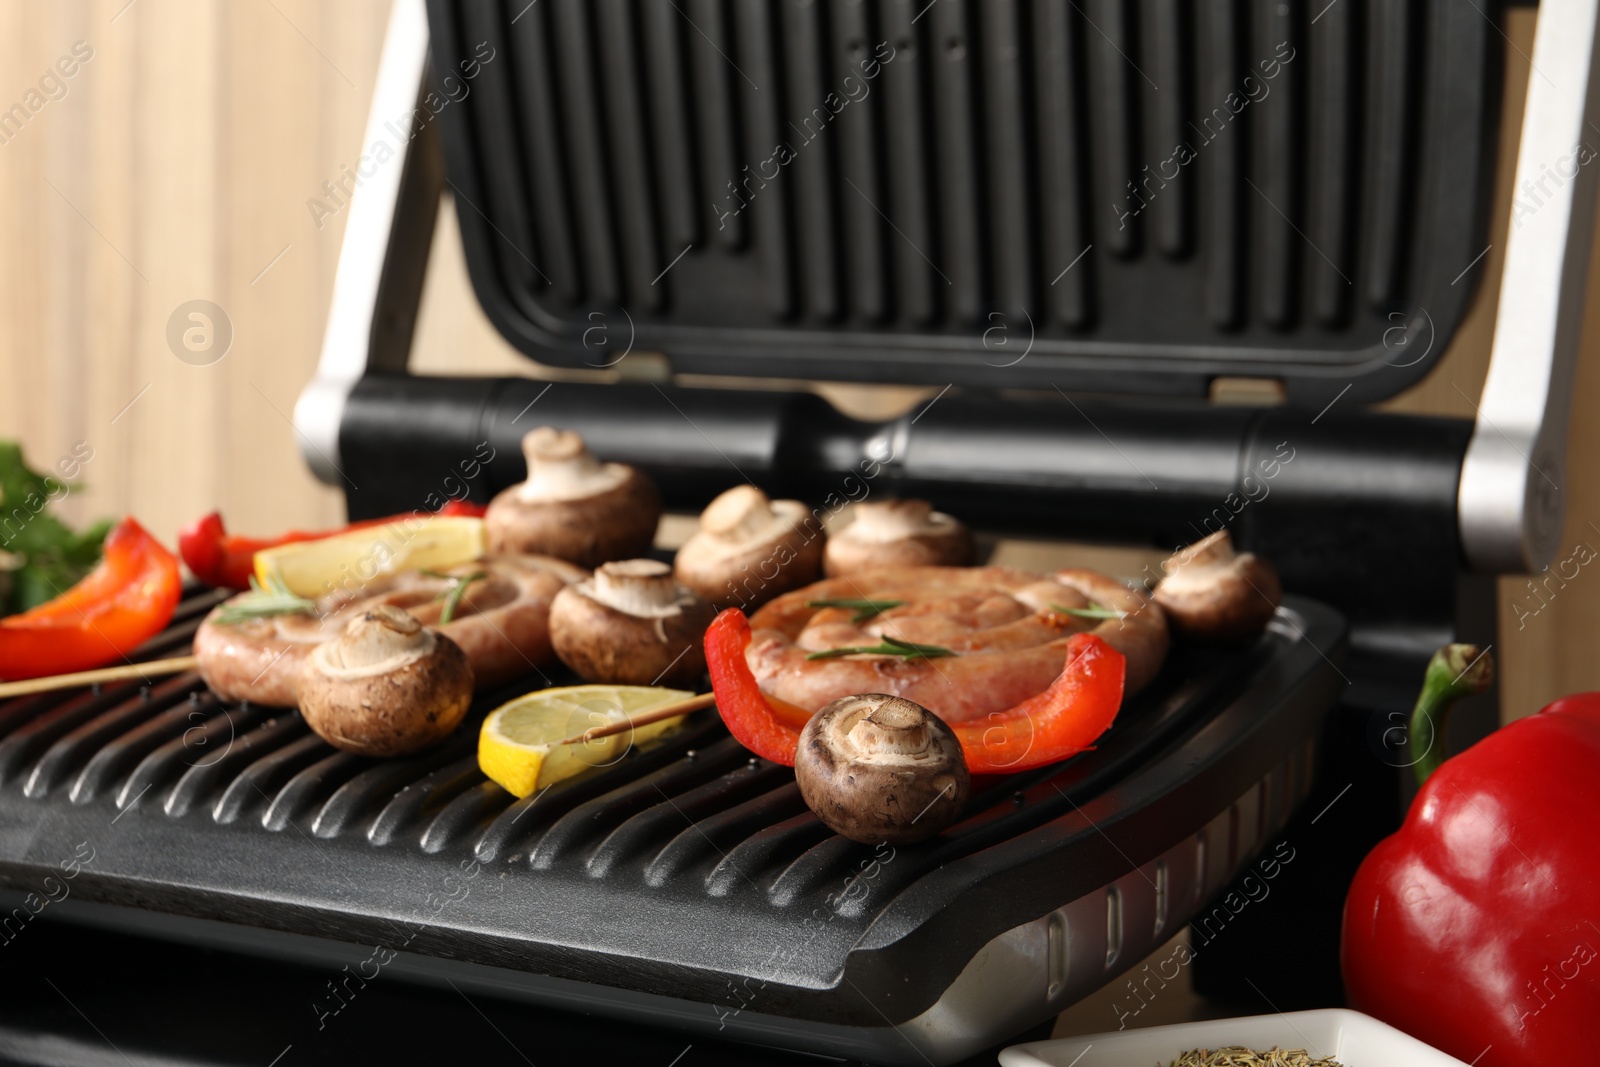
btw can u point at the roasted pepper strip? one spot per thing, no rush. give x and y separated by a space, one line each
1061 721
226 560
749 714
127 599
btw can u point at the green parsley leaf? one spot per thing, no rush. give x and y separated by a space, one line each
40 556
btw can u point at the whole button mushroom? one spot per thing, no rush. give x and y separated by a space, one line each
572 506
1212 593
750 549
631 624
898 533
386 686
878 768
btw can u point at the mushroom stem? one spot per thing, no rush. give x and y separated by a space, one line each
561 467
631 624
1211 550
750 549
386 686
898 533
643 587
743 513
379 640
892 730
890 520
572 506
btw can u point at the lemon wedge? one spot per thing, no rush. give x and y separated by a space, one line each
520 744
348 560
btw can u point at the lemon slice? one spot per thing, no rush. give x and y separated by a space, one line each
520 744
348 560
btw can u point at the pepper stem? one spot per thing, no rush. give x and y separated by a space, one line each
1455 671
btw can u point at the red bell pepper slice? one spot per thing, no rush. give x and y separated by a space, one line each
1061 721
126 600
770 729
226 560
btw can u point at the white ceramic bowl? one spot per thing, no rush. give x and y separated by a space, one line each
1354 1039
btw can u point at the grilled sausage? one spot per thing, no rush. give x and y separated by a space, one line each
1004 625
502 623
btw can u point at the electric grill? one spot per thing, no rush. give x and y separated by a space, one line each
976 216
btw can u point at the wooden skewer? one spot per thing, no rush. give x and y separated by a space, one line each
179 664
666 711
142 671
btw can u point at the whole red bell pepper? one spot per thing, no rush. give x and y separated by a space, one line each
1061 721
1476 927
126 600
226 560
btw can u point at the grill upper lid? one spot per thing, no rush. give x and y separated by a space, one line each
991 194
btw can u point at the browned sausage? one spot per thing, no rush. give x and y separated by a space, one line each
1009 639
501 623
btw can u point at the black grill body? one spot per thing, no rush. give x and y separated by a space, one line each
965 221
687 884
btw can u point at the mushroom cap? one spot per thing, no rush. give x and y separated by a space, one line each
750 549
898 533
879 768
1212 593
572 506
387 686
632 624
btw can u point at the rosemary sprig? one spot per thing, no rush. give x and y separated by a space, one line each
452 596
264 602
1093 611
864 609
888 646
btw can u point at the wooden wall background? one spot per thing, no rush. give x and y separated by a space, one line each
176 164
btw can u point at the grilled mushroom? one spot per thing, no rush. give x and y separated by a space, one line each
898 533
1211 592
750 549
631 624
881 768
572 506
387 686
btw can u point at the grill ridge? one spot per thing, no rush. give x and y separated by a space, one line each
645 829
160 763
671 872
532 814
594 818
773 180
713 832
430 792
250 786
103 742
694 809
204 777
378 784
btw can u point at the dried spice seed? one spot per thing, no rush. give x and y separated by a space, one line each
1239 1056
